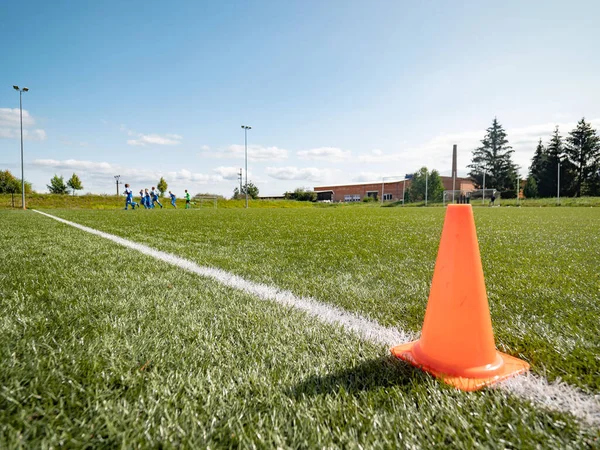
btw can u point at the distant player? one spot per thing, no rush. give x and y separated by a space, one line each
129 198
148 199
187 199
154 194
142 199
173 198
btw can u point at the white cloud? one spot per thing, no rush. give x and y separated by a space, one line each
332 154
378 156
9 118
103 170
295 173
10 125
228 173
368 176
152 138
255 153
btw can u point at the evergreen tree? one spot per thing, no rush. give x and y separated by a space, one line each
494 156
537 162
57 185
75 183
547 180
435 188
162 186
530 190
583 151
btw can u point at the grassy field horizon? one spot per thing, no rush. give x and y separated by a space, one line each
108 202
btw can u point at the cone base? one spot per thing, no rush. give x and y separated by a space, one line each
512 366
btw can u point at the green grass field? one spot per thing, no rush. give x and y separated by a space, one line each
103 346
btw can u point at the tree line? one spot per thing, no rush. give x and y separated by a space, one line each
573 161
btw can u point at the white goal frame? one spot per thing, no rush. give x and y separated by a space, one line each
477 196
206 197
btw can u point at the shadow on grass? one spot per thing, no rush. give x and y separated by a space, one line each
383 372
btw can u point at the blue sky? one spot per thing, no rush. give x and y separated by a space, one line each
335 91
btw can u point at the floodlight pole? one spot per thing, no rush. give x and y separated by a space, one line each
246 128
558 185
426 184
483 198
117 181
22 165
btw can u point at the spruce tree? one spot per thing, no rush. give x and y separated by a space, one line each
548 180
583 150
537 162
494 156
530 190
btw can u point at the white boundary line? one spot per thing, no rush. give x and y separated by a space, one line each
556 396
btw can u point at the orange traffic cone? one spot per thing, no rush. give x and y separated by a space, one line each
457 340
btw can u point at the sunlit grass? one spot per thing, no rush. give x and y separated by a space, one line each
104 347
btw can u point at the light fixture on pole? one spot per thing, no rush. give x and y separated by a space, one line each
246 128
117 182
22 165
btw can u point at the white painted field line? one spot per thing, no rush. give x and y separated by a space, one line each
556 396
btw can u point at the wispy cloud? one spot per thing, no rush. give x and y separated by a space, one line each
103 170
227 173
255 153
10 125
295 173
332 154
142 139
368 176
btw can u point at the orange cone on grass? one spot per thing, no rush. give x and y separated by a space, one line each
457 340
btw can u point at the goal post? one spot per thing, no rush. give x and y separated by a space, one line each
476 197
200 199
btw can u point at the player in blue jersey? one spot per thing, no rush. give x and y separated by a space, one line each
154 194
129 198
142 199
147 199
173 198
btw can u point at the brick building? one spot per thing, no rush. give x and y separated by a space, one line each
391 190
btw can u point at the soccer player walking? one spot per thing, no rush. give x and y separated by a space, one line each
129 198
187 199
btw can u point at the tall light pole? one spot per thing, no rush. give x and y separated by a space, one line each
426 185
22 166
117 181
558 185
483 196
246 128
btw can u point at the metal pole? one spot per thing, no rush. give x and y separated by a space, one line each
22 165
483 198
426 185
246 159
453 171
558 186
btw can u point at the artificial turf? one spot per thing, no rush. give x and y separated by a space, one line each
104 347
